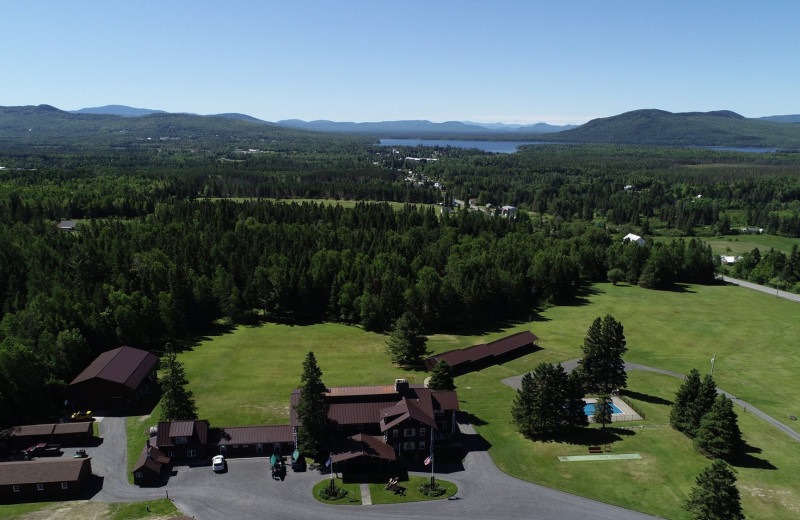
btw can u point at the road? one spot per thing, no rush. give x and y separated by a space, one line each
247 491
769 290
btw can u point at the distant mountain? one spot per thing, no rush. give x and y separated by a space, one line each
794 118
536 128
421 128
47 124
118 110
658 127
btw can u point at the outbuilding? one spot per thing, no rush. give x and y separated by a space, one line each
115 379
33 481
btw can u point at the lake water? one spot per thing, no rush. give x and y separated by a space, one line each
486 146
511 146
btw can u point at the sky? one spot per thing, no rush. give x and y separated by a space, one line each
505 61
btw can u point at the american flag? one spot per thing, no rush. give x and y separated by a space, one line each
428 460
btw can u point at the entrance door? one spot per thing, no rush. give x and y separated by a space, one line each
223 450
260 449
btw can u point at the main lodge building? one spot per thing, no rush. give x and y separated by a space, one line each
406 417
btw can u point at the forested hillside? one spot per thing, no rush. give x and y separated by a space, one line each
172 237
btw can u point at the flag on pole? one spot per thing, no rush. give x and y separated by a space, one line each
329 462
428 460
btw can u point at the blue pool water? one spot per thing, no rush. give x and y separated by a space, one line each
589 409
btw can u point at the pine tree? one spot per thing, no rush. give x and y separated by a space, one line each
546 402
177 403
602 410
311 409
680 417
407 344
706 394
719 435
716 496
442 377
603 347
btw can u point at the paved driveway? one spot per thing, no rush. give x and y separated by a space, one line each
247 491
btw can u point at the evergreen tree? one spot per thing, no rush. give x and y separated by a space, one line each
442 377
706 394
407 344
715 497
177 403
719 435
602 410
312 409
680 417
602 366
545 403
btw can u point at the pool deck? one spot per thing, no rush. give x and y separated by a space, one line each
627 412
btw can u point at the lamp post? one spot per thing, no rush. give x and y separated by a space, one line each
712 365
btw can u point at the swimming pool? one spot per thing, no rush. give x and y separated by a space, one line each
588 409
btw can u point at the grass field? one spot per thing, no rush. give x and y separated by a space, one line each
158 510
739 244
246 377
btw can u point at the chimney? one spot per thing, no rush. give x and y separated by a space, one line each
401 386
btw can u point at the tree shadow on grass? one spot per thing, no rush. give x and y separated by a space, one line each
746 459
646 398
464 417
591 436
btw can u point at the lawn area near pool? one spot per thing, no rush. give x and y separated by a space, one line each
246 377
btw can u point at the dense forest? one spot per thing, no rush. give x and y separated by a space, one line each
171 239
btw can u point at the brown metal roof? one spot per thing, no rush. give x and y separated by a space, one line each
154 462
479 352
447 400
197 431
33 429
74 427
181 428
125 365
251 434
362 446
41 471
347 391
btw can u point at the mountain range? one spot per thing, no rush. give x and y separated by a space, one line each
119 124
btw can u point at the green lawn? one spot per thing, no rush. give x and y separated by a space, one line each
379 494
739 244
159 509
246 377
353 497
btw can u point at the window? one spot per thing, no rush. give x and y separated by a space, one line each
191 453
409 432
181 440
16 489
39 487
138 474
64 485
245 445
409 446
395 433
421 445
171 454
235 446
422 432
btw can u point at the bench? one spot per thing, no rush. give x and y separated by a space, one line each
595 449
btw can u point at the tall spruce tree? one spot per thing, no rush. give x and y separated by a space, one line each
311 409
715 497
407 343
602 410
177 403
545 404
706 394
719 435
602 366
680 416
442 377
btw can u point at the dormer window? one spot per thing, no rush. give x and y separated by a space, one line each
181 440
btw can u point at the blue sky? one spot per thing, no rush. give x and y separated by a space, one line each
509 61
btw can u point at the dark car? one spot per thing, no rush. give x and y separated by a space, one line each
43 450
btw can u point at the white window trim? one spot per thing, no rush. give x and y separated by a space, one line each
39 487
64 485
15 489
191 453
409 432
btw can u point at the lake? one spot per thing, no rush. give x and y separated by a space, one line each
486 146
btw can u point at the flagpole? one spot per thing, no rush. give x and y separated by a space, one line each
330 458
432 461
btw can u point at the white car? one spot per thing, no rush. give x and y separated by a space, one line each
218 463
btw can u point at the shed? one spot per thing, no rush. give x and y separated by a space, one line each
116 378
479 356
30 481
151 466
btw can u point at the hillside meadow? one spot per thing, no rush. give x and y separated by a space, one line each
245 376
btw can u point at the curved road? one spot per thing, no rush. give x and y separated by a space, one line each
763 288
247 491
